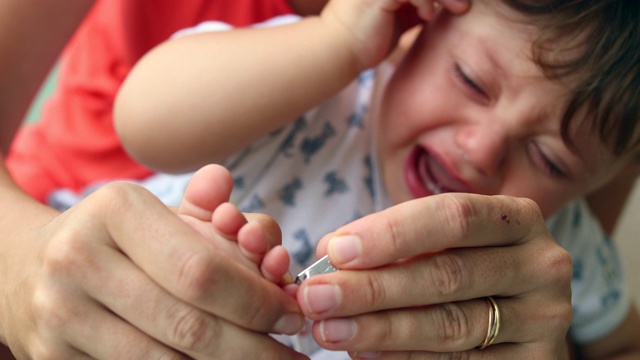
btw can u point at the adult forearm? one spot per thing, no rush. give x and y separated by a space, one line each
32 34
21 218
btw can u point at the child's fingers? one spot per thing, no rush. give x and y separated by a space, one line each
455 6
427 9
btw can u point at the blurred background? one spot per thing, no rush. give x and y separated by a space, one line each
627 234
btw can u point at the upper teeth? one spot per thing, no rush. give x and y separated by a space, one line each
426 179
434 188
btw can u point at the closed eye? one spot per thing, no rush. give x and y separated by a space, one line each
466 80
547 165
552 169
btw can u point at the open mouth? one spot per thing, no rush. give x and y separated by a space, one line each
425 175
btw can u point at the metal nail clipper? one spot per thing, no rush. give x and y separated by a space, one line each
322 266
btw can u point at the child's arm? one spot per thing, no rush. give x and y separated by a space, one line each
198 99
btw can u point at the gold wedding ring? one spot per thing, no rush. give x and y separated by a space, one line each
494 323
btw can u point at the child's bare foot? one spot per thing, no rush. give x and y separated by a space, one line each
254 239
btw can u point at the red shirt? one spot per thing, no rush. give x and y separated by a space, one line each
74 142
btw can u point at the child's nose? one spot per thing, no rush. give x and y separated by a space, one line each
483 146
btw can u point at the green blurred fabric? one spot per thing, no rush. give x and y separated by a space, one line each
47 88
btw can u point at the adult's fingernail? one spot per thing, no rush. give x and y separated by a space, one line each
322 298
289 324
343 249
337 330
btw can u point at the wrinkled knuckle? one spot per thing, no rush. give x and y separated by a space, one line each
114 191
458 216
565 319
260 314
65 254
42 345
393 227
559 266
120 189
556 279
559 319
47 312
118 195
384 329
42 351
531 208
454 324
447 276
193 331
197 275
564 263
375 292
38 351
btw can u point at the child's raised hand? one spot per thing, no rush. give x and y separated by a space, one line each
254 239
374 26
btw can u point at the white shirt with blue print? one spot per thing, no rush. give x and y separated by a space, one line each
600 295
314 175
320 172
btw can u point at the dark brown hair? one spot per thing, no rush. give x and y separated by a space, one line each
597 44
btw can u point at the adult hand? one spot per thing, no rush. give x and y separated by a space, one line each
120 275
422 271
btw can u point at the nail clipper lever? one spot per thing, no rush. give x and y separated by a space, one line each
322 266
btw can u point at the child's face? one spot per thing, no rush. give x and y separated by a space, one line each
469 111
